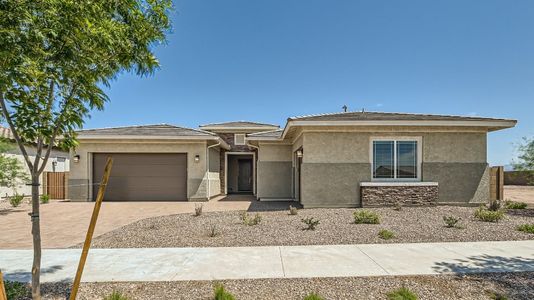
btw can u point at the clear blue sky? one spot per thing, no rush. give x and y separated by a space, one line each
268 60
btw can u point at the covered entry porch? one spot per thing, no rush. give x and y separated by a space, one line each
240 173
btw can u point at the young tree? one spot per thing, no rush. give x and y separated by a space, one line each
55 57
11 170
526 158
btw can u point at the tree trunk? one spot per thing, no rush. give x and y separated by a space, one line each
36 233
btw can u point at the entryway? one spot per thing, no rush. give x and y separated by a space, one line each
240 173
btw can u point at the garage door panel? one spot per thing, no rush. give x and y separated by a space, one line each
143 176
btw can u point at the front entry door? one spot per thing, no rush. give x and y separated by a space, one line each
244 178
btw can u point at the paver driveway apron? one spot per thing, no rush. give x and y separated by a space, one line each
174 264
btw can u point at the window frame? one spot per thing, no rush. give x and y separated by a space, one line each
395 139
244 139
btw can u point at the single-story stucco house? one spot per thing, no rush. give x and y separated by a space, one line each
349 159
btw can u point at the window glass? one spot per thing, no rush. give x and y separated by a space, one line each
406 159
383 159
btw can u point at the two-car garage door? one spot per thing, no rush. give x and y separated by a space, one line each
143 176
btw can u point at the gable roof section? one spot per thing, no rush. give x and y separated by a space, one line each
238 125
273 134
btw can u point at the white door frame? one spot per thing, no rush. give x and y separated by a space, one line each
253 170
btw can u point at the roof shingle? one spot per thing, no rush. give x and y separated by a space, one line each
386 116
146 130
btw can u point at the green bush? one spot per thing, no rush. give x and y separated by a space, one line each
402 294
515 205
16 200
115 295
16 290
528 228
497 296
221 294
451 221
310 222
247 220
45 198
313 296
366 217
386 234
495 205
486 215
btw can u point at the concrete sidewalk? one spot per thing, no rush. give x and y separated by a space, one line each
174 264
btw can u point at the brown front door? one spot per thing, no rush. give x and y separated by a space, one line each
143 176
244 177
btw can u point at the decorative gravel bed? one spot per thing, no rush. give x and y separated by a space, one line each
475 286
411 224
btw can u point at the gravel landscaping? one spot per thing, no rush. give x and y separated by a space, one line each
411 224
475 286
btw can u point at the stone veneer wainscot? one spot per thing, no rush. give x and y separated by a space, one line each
406 193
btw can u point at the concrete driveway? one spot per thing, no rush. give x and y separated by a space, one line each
64 224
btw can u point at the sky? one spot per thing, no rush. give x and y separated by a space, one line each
266 61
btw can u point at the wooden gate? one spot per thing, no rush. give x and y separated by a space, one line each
497 183
55 184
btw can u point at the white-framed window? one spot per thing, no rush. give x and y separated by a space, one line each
396 158
239 139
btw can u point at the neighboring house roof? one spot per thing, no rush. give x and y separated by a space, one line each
238 125
386 116
158 131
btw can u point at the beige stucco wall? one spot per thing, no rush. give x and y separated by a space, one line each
214 173
334 164
274 172
81 172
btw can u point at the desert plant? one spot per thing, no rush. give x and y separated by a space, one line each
16 290
514 205
528 228
497 296
220 293
313 296
16 200
247 220
311 223
386 234
495 205
115 295
366 217
45 198
451 221
213 230
486 215
402 294
293 210
198 209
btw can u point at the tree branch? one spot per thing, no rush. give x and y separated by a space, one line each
48 109
15 133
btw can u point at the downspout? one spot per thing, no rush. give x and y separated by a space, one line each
208 168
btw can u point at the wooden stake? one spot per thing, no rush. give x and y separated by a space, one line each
3 295
90 231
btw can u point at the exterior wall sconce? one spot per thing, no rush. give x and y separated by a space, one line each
76 158
197 158
299 153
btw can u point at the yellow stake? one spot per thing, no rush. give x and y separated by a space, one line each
3 295
90 231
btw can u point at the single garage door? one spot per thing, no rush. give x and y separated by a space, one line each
142 176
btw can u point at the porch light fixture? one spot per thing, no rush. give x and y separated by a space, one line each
76 158
197 158
299 153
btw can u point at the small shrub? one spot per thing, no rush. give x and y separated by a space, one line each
497 296
115 295
386 234
45 198
313 296
213 230
16 290
293 210
495 205
528 228
366 217
515 205
247 220
451 221
16 200
486 215
198 209
402 294
221 294
311 223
